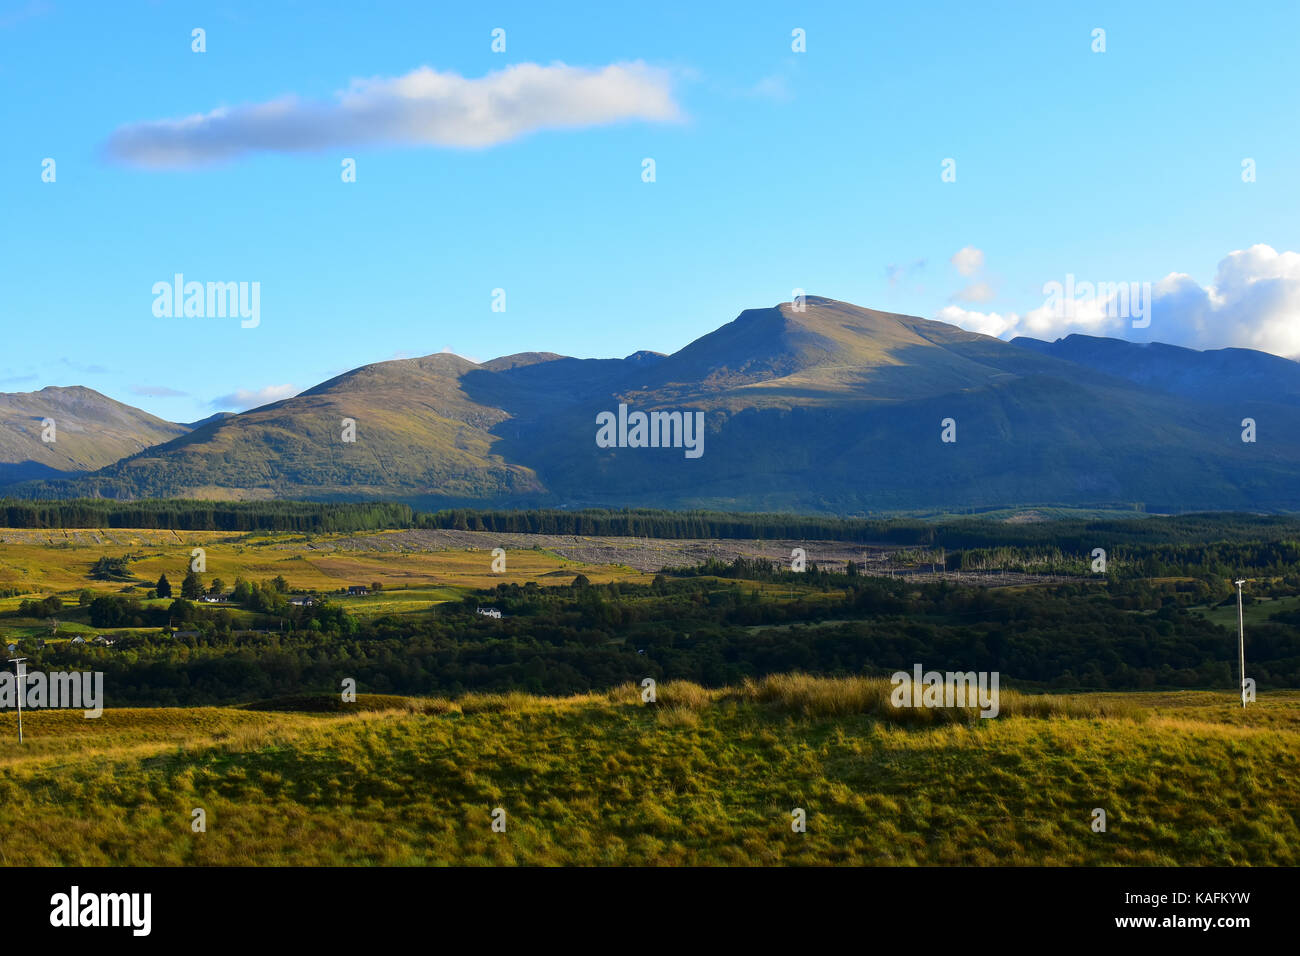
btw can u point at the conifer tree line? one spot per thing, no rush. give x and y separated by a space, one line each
1069 535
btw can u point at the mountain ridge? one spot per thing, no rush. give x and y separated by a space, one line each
819 406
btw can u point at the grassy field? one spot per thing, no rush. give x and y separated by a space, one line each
704 777
40 563
1256 612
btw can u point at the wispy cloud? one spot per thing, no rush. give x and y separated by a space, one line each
157 391
28 11
975 292
773 87
84 369
253 398
422 108
898 273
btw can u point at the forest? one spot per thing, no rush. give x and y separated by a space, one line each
967 532
714 626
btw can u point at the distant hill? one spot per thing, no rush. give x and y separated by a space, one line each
90 431
1216 375
219 416
829 408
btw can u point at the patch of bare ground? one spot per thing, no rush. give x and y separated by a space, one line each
655 554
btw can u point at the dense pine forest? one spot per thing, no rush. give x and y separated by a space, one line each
973 532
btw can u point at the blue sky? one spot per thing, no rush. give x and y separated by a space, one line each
774 170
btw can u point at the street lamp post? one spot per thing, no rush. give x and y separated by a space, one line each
1241 644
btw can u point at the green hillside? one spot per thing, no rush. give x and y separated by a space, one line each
415 434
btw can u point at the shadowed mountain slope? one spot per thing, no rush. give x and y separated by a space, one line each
828 407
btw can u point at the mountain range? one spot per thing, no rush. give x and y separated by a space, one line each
825 408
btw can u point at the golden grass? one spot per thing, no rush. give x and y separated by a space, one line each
810 696
705 776
42 562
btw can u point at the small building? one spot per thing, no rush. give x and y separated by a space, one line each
77 640
185 634
103 641
302 600
357 590
211 599
489 612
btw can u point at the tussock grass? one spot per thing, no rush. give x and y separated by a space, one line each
811 696
329 703
678 715
684 695
705 776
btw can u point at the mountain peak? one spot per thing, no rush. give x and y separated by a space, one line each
90 431
816 404
521 359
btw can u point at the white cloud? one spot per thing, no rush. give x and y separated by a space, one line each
1254 302
975 292
422 108
253 398
986 323
968 260
1089 314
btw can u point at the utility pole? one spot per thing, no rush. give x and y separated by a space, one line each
1241 644
20 666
